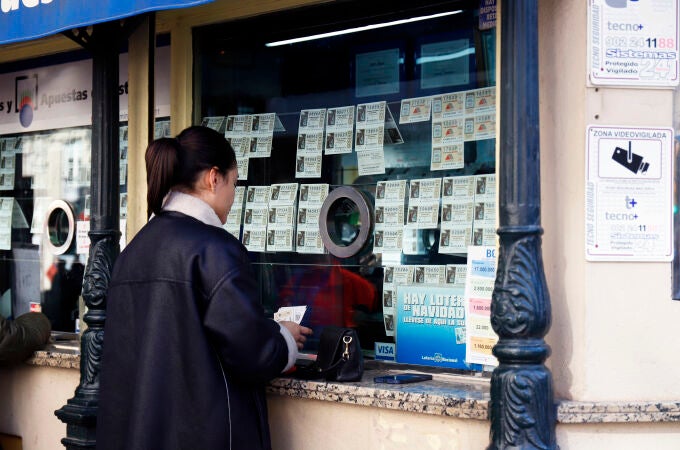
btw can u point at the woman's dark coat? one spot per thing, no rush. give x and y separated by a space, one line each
187 349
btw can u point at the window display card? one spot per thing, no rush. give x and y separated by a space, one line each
483 127
370 137
235 216
280 239
448 157
338 142
389 216
485 188
431 326
239 125
457 212
459 117
485 100
283 194
309 241
6 179
281 216
455 239
6 208
257 195
447 132
390 192
308 238
461 188
259 146
310 143
263 124
308 166
312 120
313 194
217 123
415 110
484 236
242 164
485 214
339 130
371 113
479 284
371 162
254 239
456 274
388 240
423 204
255 218
240 144
429 274
393 276
448 106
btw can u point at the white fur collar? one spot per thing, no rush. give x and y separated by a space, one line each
191 206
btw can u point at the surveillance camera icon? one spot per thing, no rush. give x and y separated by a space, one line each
631 161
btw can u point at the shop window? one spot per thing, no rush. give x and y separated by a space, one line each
366 165
45 178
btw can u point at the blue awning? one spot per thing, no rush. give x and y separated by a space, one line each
23 20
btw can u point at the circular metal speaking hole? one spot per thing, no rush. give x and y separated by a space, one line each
345 221
60 227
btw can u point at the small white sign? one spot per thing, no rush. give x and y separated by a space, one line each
633 42
629 200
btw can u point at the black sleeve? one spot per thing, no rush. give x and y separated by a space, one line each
21 337
250 346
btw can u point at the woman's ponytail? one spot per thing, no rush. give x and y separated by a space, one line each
162 164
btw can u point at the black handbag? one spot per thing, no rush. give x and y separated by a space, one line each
339 357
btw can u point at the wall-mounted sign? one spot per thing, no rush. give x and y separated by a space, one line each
628 200
633 42
60 96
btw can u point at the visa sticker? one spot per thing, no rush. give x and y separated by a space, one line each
385 351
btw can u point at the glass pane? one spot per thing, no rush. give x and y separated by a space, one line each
404 114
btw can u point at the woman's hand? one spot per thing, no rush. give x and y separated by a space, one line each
299 332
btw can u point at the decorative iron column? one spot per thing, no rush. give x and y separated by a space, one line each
523 413
80 412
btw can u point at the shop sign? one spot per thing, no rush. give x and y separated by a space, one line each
628 201
633 43
487 14
60 96
23 20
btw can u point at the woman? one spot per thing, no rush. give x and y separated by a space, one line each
187 349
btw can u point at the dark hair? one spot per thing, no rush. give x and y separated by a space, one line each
178 162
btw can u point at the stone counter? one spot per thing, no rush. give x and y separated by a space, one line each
446 394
